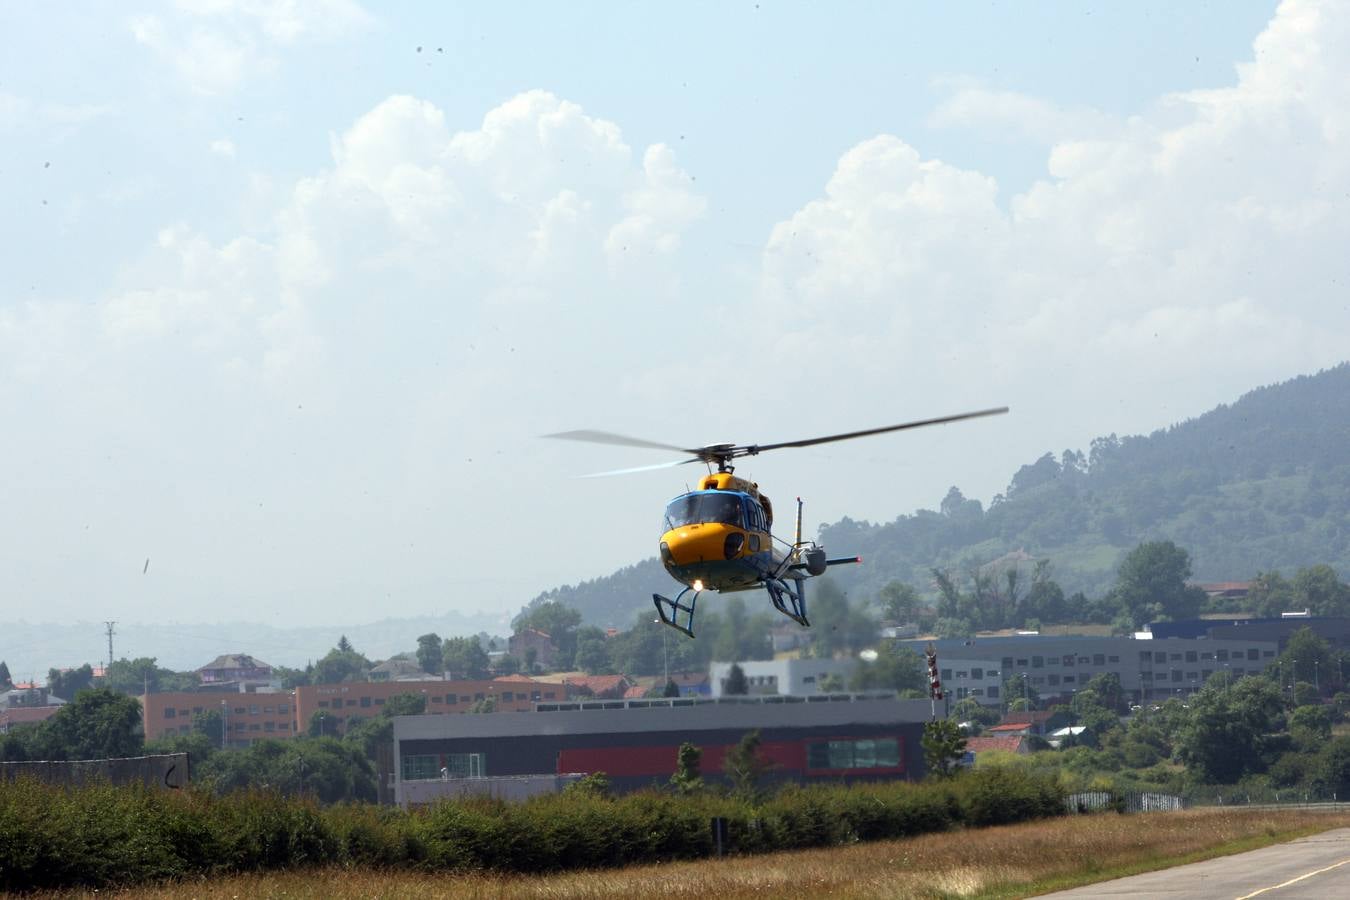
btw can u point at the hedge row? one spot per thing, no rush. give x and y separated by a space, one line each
95 836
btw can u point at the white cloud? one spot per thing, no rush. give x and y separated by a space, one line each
214 46
18 112
1167 263
1009 115
223 147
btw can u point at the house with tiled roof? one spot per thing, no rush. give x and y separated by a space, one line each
1013 743
400 668
230 667
602 687
532 639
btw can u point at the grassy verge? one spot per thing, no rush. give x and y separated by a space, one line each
998 862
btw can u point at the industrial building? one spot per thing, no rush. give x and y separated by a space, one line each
636 742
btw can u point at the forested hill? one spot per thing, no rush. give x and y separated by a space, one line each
1259 484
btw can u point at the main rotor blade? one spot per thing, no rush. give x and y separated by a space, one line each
665 465
857 434
605 437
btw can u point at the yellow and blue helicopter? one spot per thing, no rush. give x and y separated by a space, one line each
718 537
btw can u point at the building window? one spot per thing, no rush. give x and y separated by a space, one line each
1038 662
961 673
437 698
323 704
945 674
1099 659
508 696
421 767
993 693
365 702
977 674
1069 679
269 726
170 713
1021 664
238 710
351 702
1145 656
1190 656
379 701
1221 655
1253 653
1007 663
1054 679
860 754
1114 659
451 698
1159 657
1176 674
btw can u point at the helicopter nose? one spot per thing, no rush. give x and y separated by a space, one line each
695 543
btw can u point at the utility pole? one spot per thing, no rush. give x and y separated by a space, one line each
110 632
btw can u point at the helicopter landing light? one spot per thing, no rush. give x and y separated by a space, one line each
698 584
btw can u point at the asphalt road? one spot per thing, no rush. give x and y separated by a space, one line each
1311 868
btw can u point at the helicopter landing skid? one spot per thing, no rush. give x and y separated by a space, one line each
676 607
789 602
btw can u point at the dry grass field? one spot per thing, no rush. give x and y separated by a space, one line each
1010 861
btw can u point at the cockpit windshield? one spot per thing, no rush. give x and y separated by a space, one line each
693 509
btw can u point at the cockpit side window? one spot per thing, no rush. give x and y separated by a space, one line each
695 509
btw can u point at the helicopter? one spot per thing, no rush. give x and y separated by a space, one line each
718 537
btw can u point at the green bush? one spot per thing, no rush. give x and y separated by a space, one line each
99 835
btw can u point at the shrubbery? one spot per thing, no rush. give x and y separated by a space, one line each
56 837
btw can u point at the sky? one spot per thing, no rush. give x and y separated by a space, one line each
289 291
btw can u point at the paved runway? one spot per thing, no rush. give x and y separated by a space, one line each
1311 868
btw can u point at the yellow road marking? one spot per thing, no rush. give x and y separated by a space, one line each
1276 887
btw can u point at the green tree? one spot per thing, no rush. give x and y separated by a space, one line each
209 723
1110 694
340 664
1228 732
429 653
136 676
322 724
900 602
671 689
97 724
736 683
294 678
1151 584
831 683
464 657
70 682
839 627
744 766
1333 766
1310 727
1321 592
330 770
688 778
1308 658
943 747
1018 692
370 734
1271 594
6 683
593 656
739 635
896 668
557 620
